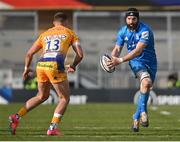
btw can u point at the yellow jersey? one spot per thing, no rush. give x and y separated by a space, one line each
55 43
57 39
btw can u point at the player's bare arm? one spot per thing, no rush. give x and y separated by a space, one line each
136 52
79 56
116 51
28 59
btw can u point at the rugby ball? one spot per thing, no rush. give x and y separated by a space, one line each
103 62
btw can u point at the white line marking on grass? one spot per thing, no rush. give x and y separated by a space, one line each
98 128
79 127
157 128
37 136
165 113
97 136
85 136
154 108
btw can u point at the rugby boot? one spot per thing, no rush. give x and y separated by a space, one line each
54 132
13 123
135 126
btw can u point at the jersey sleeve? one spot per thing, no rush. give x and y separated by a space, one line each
145 36
38 42
120 38
75 39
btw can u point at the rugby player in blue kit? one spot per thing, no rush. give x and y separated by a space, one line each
139 39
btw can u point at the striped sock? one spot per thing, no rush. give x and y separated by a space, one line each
55 120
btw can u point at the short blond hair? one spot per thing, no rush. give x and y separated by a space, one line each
60 17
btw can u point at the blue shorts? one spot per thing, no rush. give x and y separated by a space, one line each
138 66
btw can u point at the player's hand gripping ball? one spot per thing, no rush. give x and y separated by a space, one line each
103 62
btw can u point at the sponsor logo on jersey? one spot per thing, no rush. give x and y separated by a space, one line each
45 65
126 38
145 34
137 37
54 37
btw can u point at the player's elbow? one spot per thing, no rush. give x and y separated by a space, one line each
29 55
138 52
81 56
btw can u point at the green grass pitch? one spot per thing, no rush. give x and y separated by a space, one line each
93 122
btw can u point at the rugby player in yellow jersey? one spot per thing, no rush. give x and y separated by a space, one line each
50 70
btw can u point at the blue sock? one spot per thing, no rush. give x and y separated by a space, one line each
143 101
136 115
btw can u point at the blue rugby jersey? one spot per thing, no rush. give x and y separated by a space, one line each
143 33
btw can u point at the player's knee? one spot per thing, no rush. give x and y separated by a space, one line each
65 99
146 83
42 97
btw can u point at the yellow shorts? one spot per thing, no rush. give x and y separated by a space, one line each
48 71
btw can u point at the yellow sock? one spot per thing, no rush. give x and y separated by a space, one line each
56 118
22 111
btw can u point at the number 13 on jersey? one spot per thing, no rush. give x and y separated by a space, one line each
53 45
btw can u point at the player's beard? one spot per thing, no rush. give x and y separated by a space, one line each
132 26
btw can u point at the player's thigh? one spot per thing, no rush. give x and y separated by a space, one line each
41 75
59 81
62 88
55 75
43 89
